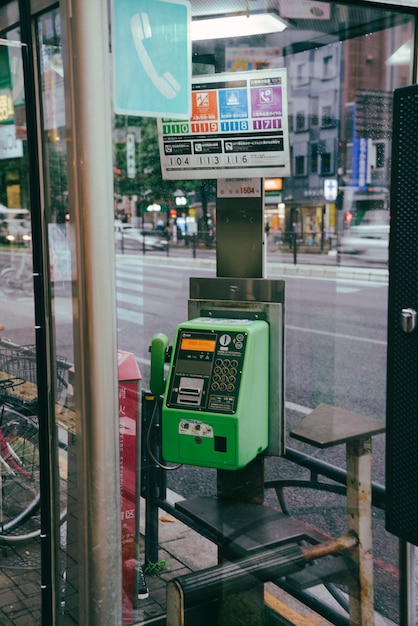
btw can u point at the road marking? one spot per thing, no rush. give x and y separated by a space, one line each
127 315
129 286
339 335
290 615
340 289
298 407
128 298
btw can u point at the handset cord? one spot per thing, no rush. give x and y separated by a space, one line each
165 467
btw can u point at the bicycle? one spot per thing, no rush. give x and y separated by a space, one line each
17 281
19 444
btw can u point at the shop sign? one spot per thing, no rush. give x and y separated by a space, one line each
10 147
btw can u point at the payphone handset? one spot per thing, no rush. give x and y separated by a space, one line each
216 397
158 350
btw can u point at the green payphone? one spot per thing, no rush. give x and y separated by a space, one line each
215 407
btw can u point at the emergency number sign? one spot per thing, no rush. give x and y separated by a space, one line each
238 129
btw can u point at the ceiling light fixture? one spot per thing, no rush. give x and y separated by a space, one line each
237 25
402 56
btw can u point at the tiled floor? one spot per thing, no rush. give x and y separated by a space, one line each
181 551
20 599
20 576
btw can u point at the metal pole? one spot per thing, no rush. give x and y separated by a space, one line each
295 245
47 438
407 587
95 346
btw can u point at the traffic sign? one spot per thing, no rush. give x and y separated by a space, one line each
152 57
330 189
130 155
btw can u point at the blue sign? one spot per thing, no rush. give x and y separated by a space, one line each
233 104
360 162
152 58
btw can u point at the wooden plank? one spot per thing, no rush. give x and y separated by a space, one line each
328 426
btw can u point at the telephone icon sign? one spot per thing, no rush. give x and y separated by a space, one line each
141 29
152 57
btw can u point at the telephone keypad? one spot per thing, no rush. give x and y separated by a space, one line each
229 373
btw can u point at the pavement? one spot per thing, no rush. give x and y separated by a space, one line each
182 551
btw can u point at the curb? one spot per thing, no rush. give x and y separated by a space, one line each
324 272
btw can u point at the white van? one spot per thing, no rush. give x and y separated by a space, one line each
368 240
14 225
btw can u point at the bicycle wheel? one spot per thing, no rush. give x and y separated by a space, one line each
19 473
8 283
15 287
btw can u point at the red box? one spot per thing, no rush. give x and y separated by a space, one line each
129 377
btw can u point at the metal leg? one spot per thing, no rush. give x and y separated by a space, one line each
359 519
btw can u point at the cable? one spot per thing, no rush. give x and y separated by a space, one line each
165 467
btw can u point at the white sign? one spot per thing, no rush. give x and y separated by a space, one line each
238 128
10 147
330 189
239 188
130 155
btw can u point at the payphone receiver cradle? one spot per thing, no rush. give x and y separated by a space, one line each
215 406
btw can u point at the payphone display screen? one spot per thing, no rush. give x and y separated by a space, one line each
206 371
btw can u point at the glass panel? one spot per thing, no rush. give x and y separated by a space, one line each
48 28
19 427
343 63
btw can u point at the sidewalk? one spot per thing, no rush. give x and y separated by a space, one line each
278 265
182 551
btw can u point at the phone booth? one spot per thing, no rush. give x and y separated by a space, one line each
129 377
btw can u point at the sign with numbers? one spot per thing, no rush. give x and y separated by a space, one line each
239 188
238 129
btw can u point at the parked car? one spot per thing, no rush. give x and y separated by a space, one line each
14 225
133 237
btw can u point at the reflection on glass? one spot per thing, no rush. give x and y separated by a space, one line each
342 64
19 425
61 275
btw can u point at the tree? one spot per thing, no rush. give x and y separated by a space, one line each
149 184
